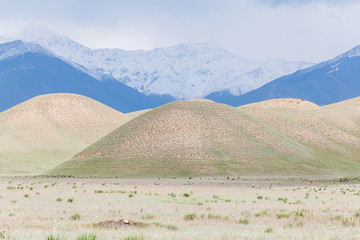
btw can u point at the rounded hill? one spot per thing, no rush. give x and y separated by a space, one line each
187 138
46 130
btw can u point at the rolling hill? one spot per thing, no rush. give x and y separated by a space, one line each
187 138
47 130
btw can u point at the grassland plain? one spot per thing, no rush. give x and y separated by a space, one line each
197 138
47 130
200 208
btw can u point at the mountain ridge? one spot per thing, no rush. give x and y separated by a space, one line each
325 83
183 71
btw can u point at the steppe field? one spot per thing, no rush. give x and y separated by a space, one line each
195 208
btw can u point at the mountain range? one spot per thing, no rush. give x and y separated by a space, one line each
328 82
44 62
184 71
28 70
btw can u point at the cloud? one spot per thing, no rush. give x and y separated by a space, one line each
259 29
277 3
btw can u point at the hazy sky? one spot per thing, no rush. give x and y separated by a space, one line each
311 30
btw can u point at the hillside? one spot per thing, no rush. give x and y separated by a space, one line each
46 130
204 138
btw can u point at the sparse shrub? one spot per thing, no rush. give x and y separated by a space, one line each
300 213
134 237
46 186
268 230
70 200
168 226
172 194
244 221
99 191
2 234
52 237
171 227
85 236
26 195
346 222
214 216
147 216
283 199
262 213
186 195
357 213
190 217
282 215
259 197
75 217
59 199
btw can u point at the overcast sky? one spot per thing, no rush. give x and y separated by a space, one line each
311 30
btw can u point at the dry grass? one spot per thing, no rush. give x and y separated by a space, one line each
47 130
215 209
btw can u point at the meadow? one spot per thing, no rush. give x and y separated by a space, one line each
187 208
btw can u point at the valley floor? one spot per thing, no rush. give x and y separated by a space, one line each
208 208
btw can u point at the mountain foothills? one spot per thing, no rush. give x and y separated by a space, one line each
197 138
328 82
47 130
183 71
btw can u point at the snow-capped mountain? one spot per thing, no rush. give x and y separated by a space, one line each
18 47
28 70
328 82
184 71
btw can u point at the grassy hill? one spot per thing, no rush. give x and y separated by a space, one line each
47 130
188 138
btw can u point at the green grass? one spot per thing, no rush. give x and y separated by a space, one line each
86 236
190 217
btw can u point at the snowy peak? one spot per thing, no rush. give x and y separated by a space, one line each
355 52
184 71
16 48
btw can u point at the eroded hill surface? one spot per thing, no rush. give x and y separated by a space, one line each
184 138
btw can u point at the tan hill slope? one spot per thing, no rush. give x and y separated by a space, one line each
45 131
287 103
203 138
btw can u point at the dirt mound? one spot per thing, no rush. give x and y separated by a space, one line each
119 223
